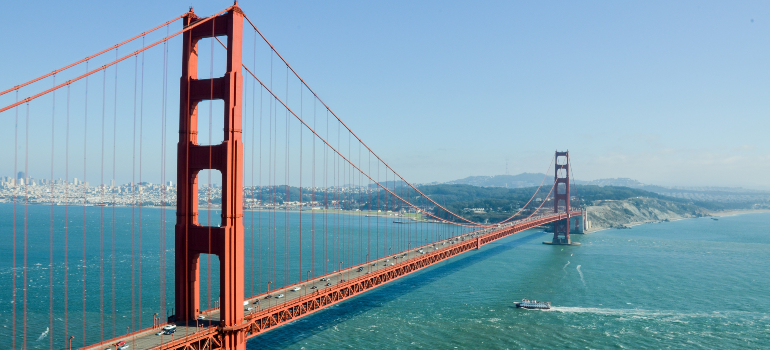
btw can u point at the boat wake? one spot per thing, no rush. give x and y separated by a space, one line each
581 274
42 336
657 315
565 267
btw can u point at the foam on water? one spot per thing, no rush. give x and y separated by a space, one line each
43 335
581 275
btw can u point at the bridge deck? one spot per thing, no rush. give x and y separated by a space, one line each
269 313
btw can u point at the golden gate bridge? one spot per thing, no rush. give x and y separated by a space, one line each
308 214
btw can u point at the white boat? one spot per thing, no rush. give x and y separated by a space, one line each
533 304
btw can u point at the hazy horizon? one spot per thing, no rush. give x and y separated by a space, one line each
670 94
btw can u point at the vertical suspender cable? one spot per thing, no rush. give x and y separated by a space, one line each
66 214
286 197
385 196
112 184
261 195
351 187
26 203
301 110
253 187
269 191
85 192
275 194
360 220
312 203
163 184
188 133
245 187
377 228
269 179
50 252
324 259
141 196
133 200
101 214
335 225
15 194
369 209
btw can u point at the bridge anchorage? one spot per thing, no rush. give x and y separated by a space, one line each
561 203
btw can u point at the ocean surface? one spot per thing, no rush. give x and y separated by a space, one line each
695 283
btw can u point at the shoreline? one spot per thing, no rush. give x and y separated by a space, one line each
711 214
738 212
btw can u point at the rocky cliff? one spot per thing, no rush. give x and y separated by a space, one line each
624 213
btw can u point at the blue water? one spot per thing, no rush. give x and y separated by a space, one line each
695 283
271 254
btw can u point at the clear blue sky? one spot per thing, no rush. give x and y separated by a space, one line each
669 93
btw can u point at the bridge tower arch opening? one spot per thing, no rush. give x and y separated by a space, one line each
226 240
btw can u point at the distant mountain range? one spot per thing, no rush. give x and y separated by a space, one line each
696 194
535 179
507 181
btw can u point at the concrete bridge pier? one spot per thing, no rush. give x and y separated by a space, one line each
562 228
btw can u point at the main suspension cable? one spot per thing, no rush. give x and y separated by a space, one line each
17 87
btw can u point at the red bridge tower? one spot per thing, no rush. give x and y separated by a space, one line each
225 240
561 200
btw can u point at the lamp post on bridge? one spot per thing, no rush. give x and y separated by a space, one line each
307 279
268 293
70 341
